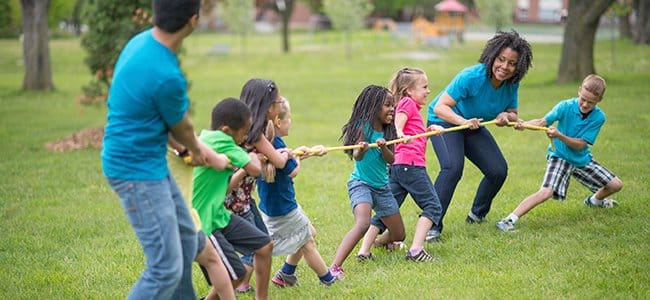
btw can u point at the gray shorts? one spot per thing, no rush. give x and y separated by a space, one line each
289 232
558 171
238 236
380 198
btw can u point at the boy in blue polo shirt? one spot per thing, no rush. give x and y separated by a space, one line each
579 122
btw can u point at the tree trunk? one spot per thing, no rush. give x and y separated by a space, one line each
642 27
285 12
624 27
577 59
36 48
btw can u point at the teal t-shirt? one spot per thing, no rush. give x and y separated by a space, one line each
372 169
475 97
570 123
210 185
148 95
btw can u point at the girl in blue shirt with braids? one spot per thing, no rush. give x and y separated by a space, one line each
371 122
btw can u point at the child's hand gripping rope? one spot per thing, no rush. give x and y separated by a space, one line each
521 126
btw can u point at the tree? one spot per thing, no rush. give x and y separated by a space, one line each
110 25
577 60
347 15
496 12
36 48
239 16
285 9
642 26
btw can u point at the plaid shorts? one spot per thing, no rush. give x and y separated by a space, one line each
594 176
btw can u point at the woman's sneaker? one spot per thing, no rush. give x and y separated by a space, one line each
433 236
505 225
337 272
282 279
607 203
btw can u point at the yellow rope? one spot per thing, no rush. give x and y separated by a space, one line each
534 127
318 150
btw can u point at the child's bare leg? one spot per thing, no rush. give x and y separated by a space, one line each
368 240
361 223
262 266
294 259
612 187
313 258
533 200
383 238
395 227
246 279
421 229
221 285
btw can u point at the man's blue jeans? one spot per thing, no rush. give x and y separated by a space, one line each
162 222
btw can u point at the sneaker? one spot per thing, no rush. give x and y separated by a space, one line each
282 279
470 220
422 256
393 246
364 257
244 288
607 203
505 225
329 283
433 236
337 272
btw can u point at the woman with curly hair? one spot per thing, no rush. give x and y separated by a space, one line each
485 91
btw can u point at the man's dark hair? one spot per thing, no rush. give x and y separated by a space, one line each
172 15
230 112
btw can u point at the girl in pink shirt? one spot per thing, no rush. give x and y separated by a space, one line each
408 174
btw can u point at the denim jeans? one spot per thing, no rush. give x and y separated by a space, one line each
411 180
162 222
482 150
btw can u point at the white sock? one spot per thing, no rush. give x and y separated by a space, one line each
595 201
513 218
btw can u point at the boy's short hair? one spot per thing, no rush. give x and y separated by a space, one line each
595 85
172 15
230 112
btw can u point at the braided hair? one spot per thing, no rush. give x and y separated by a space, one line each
366 108
501 41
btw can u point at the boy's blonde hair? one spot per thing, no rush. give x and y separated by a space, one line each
595 85
404 79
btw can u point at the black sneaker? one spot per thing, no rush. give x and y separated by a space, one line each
365 257
470 220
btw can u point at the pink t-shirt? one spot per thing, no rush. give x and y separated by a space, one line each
413 152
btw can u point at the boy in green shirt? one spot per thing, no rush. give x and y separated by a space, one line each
231 120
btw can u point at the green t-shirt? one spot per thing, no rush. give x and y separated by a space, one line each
210 185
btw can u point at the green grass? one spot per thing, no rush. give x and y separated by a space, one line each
64 235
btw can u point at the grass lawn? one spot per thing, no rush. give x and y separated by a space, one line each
64 235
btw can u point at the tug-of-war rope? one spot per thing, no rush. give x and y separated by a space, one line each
320 149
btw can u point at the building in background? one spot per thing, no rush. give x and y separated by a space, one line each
541 11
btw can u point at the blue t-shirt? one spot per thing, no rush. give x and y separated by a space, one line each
475 97
372 169
570 123
278 198
148 94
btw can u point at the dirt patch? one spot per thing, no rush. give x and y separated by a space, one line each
85 138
